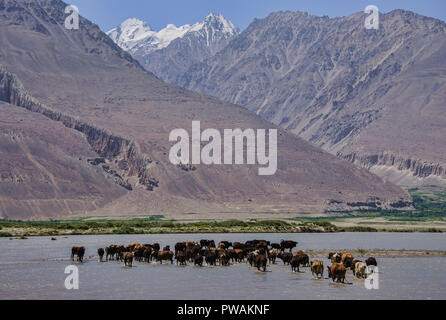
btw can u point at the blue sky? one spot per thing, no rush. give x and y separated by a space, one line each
110 13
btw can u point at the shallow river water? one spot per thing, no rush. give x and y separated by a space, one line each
34 269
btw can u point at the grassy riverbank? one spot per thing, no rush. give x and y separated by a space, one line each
147 226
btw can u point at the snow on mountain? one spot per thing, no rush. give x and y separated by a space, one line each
134 34
130 33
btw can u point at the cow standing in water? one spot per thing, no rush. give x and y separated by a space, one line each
128 258
101 254
79 251
317 268
287 244
347 259
260 260
337 272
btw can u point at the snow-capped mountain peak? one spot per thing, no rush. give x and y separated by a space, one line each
135 23
171 50
222 24
130 32
134 33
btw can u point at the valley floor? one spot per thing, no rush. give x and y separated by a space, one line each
429 215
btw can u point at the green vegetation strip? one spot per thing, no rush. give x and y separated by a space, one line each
146 226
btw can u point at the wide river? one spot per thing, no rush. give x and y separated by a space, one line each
34 269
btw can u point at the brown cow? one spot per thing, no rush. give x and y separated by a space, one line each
164 255
360 270
79 251
317 267
352 267
190 244
260 261
239 255
134 246
337 271
128 258
272 255
347 259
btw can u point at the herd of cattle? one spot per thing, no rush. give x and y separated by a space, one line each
258 253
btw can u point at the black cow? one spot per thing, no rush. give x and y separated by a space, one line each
238 245
287 244
285 256
276 246
181 258
210 258
180 246
101 254
198 260
79 251
298 260
207 243
371 261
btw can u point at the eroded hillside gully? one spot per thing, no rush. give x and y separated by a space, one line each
123 151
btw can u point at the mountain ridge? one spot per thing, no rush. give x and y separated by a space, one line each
83 80
171 49
338 85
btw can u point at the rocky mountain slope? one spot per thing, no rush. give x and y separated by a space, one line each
96 111
173 50
374 97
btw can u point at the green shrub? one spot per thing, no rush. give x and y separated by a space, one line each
5 234
359 229
167 224
124 230
272 223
